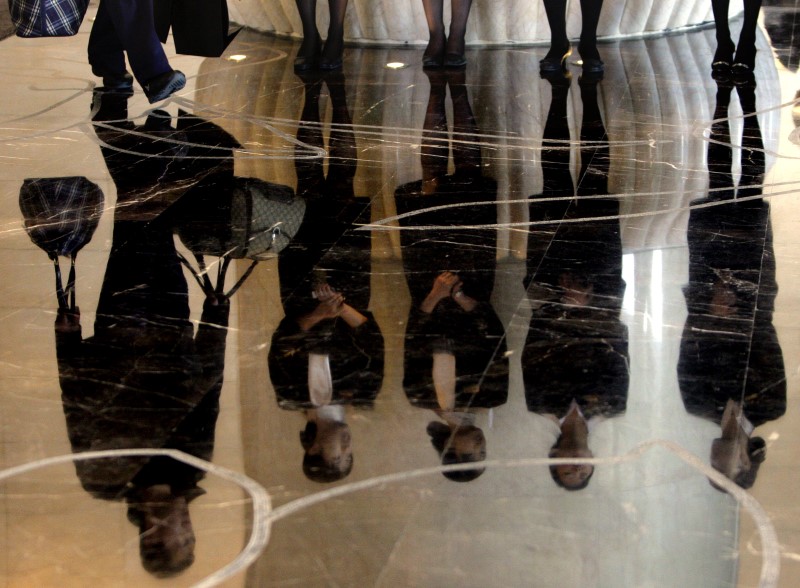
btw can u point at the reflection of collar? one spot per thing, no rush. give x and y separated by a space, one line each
573 406
329 412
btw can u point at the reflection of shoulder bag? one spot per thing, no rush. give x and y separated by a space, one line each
250 219
61 215
47 18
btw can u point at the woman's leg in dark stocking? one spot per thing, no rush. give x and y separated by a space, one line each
590 16
724 53
434 15
746 49
309 50
435 149
466 150
334 44
556 11
458 26
343 158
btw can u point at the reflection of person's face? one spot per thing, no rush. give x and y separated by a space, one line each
333 444
468 445
572 475
167 540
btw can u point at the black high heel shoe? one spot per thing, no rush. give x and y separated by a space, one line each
555 59
308 60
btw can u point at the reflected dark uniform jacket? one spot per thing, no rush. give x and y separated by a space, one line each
578 352
144 379
355 356
739 356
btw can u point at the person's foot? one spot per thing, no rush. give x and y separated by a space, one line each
164 85
723 57
307 57
555 58
118 84
454 52
590 56
434 52
743 68
332 52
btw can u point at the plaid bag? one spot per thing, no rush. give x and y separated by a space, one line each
47 18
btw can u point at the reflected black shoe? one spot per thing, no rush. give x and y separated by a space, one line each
165 85
118 84
555 59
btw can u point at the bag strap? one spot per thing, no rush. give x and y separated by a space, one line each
66 296
202 279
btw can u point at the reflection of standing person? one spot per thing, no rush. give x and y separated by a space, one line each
575 360
560 47
455 360
127 28
731 368
327 353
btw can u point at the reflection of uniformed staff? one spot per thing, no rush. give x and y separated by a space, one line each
327 353
731 367
455 360
575 360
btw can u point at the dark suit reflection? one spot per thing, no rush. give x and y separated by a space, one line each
575 360
145 379
327 353
731 367
452 328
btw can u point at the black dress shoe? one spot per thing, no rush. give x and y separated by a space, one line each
554 60
433 61
593 66
306 61
723 58
455 60
165 85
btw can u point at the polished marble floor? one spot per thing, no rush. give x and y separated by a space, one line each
373 309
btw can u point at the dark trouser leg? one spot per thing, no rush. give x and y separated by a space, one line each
106 53
724 53
746 49
556 11
135 31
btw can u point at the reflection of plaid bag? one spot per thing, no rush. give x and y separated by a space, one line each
61 215
254 220
47 18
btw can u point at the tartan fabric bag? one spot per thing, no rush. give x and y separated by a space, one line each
61 215
47 18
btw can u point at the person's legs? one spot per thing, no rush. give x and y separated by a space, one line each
746 48
458 30
434 15
134 27
556 11
334 44
106 53
308 55
723 56
590 16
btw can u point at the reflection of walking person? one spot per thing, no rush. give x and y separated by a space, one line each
127 28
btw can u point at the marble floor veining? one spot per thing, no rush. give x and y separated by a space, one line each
406 328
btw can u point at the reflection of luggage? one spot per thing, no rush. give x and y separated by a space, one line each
47 18
251 219
61 215
199 27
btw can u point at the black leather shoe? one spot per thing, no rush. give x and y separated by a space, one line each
308 61
455 60
165 85
334 64
593 66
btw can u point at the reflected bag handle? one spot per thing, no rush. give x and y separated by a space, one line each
202 279
66 296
